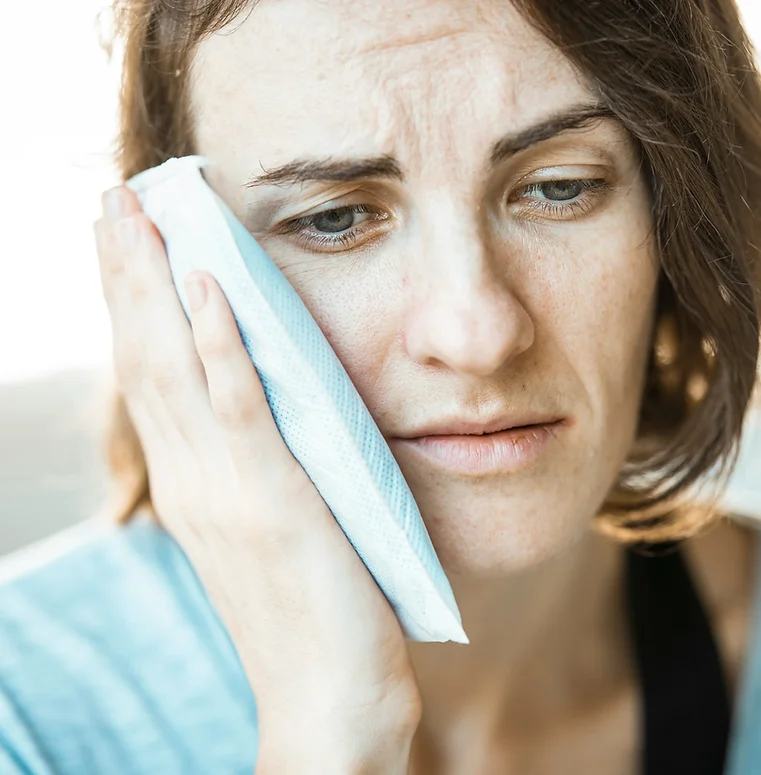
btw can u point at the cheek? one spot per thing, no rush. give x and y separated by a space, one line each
597 316
620 323
595 300
353 311
351 305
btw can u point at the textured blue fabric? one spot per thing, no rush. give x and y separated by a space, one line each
113 662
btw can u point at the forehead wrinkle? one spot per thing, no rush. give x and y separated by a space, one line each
445 36
429 124
430 118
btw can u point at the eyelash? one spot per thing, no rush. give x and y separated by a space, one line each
347 239
592 189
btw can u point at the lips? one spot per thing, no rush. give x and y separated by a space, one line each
456 427
482 454
513 430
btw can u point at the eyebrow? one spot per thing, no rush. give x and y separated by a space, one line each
388 168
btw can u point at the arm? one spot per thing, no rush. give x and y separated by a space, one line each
322 649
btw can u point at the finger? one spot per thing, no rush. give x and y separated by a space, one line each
235 390
108 268
126 350
154 342
171 363
119 202
111 258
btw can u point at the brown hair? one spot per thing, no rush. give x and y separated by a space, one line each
679 74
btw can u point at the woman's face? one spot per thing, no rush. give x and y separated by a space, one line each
453 278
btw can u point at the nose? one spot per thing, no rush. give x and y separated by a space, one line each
462 312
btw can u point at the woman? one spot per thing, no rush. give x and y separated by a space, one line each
533 215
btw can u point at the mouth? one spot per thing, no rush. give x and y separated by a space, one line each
480 453
517 429
458 427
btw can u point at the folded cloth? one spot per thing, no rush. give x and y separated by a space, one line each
316 407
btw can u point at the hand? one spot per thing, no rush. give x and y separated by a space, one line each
322 648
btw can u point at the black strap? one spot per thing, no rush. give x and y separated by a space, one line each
686 709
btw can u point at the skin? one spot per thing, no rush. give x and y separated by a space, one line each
459 306
456 305
462 297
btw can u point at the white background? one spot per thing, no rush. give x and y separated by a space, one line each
58 95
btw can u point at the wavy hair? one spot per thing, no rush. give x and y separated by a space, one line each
680 76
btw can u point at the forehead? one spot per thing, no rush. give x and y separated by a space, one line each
409 78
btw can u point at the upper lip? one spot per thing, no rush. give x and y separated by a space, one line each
458 427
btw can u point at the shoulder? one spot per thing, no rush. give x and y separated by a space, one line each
116 584
63 564
726 559
727 566
113 660
724 563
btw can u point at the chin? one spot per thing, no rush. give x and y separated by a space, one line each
493 537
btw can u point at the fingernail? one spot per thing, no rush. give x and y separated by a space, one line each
114 204
125 230
196 290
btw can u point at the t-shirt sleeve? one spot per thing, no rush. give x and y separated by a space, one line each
112 662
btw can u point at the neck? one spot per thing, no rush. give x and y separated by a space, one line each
545 644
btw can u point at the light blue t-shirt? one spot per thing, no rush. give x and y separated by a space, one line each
113 662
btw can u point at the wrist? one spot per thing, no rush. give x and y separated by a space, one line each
317 764
320 752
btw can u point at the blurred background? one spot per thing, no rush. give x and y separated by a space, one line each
59 92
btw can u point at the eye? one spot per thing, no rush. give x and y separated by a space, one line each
560 198
340 227
561 189
332 221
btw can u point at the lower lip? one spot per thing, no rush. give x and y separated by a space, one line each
503 452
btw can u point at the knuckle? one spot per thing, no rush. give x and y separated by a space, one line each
212 348
98 229
140 286
165 377
128 363
109 258
211 345
248 411
113 273
234 410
